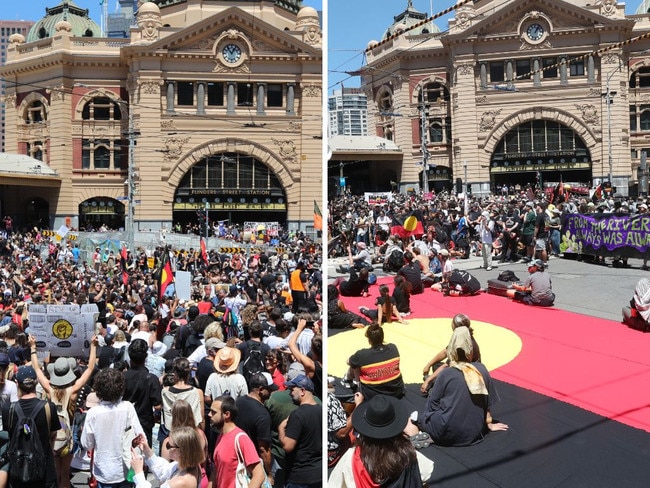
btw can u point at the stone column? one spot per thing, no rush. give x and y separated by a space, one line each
509 71
170 96
483 75
564 80
261 98
200 95
291 98
537 76
591 75
230 98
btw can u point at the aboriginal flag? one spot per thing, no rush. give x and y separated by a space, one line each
318 217
165 274
124 265
204 252
407 225
597 194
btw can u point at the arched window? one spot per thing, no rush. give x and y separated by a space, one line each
101 108
42 33
434 92
35 113
640 78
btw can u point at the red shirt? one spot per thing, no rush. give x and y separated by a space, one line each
225 456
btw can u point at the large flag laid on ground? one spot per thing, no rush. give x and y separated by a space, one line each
204 252
124 265
165 274
318 217
407 225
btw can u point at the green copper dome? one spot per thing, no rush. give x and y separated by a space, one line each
409 18
82 24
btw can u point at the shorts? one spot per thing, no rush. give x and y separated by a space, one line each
540 244
526 240
527 298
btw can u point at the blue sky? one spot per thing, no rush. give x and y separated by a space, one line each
35 9
353 23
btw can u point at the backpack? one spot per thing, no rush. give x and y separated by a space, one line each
63 441
508 275
254 362
26 454
395 260
231 327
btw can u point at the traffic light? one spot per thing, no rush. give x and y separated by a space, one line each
459 185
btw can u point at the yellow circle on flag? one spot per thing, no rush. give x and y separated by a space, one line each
410 223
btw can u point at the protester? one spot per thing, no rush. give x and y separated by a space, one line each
536 288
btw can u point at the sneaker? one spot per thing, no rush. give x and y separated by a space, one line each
489 268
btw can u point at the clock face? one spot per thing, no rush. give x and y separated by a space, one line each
231 53
535 32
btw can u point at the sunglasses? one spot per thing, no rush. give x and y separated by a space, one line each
169 446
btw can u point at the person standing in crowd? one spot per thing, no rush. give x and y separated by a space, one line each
540 235
301 436
298 282
528 230
223 414
105 427
47 424
485 233
142 388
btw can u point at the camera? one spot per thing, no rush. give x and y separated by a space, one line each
310 324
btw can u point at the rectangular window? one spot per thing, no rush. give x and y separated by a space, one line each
577 68
185 93
523 68
435 131
539 136
525 142
274 95
548 71
496 71
633 118
215 94
244 94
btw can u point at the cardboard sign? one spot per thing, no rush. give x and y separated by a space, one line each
63 330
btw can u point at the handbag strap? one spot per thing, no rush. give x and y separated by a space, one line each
240 455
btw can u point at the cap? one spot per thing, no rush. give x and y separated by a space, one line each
4 360
213 343
295 369
538 263
301 381
25 373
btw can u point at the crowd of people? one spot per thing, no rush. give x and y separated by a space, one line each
182 390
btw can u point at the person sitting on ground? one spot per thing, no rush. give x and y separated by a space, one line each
402 295
384 455
459 283
412 272
637 313
377 368
536 289
459 320
457 411
338 317
386 309
356 285
359 261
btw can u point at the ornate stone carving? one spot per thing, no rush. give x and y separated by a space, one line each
10 100
594 92
149 23
168 124
465 69
150 87
607 7
295 126
220 68
589 113
287 149
525 46
174 147
488 120
464 17
312 91
57 94
611 58
312 35
482 99
204 44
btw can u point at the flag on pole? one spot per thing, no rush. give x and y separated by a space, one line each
318 217
597 194
124 265
204 251
165 274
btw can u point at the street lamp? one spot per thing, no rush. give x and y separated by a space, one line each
423 140
608 99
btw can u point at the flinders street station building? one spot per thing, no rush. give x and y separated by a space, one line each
514 92
203 105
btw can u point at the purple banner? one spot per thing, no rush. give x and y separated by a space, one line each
606 234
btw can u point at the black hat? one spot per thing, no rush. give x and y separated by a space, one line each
381 417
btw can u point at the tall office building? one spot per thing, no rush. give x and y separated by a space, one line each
8 28
348 112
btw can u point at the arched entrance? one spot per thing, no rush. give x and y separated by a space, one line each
98 211
538 152
37 213
228 186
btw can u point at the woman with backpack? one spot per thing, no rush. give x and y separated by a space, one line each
182 389
62 389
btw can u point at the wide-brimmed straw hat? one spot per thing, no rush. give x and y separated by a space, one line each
227 360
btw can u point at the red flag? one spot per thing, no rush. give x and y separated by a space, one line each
165 275
204 251
318 217
124 265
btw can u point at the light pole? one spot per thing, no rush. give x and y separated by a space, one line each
425 150
466 185
608 99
